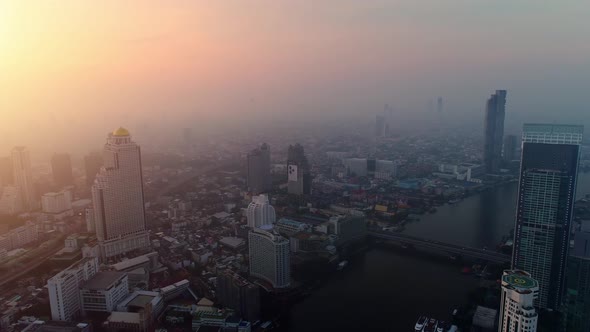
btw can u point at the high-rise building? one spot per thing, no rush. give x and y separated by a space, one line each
494 131
517 311
546 195
269 256
6 172
260 212
510 145
117 196
61 167
239 294
299 177
23 177
259 180
577 297
92 165
64 295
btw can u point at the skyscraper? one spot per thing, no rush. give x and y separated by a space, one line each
546 195
517 312
92 165
269 256
259 180
299 177
23 177
117 196
260 212
494 131
510 143
61 167
577 301
6 172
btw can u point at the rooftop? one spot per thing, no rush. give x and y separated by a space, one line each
121 132
141 300
124 317
129 263
519 280
103 280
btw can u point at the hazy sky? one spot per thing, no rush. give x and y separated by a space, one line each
72 70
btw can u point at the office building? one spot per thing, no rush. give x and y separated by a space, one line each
237 293
23 177
61 167
259 179
6 171
299 177
269 256
517 311
118 200
57 205
10 201
510 146
260 212
64 296
92 165
577 297
494 131
103 292
546 195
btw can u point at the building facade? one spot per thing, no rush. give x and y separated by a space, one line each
298 173
510 146
61 167
118 200
269 256
259 179
517 311
57 205
92 165
494 131
577 297
64 296
546 195
260 212
103 292
23 178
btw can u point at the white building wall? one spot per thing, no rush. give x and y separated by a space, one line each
269 257
260 212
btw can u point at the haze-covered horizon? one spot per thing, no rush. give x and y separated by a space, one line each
73 71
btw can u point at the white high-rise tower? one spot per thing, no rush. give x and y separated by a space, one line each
117 195
23 178
517 312
260 212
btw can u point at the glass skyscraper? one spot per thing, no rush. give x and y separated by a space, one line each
546 196
494 131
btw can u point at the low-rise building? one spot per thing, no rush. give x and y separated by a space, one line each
103 291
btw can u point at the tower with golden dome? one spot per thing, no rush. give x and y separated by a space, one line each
118 198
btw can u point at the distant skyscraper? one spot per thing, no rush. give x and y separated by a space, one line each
299 177
260 212
494 131
61 167
6 172
118 200
517 312
379 125
23 177
259 180
546 195
577 301
439 104
269 256
92 165
510 143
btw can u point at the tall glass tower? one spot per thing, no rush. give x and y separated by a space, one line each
546 196
494 131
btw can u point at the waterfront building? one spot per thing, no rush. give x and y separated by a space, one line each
494 131
92 165
260 212
237 293
103 292
577 297
517 311
118 200
259 179
348 228
61 167
546 195
23 177
64 296
269 256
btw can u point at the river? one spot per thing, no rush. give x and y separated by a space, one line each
385 290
